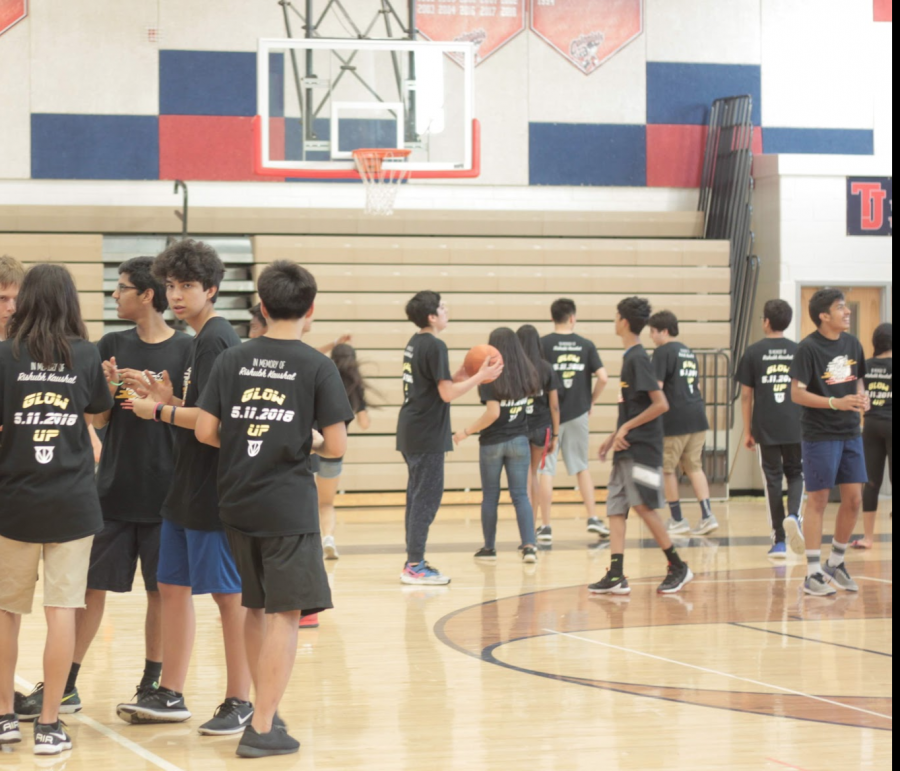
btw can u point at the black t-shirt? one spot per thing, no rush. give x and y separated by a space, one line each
513 420
878 384
829 368
575 360
137 462
638 382
766 368
267 394
424 423
47 490
538 408
193 501
676 368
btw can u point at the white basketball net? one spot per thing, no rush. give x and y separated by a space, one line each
381 183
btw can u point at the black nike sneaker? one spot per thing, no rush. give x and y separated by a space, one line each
158 705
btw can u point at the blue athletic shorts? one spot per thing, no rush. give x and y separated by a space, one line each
826 464
200 559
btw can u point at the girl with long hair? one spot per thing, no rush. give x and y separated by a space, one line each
543 429
878 428
503 441
51 378
328 470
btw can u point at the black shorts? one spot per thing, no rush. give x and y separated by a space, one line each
538 436
281 573
115 553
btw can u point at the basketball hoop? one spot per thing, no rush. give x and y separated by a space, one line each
382 183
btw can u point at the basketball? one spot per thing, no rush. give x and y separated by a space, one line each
476 356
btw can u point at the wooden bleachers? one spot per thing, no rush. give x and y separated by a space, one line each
493 268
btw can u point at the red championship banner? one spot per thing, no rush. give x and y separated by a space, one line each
489 24
587 32
12 12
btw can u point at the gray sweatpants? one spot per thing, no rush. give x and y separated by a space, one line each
424 491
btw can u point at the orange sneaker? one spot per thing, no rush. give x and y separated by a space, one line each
310 622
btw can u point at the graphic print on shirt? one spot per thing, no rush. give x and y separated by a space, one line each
124 393
839 370
689 371
407 373
568 365
44 409
256 403
778 375
878 385
515 407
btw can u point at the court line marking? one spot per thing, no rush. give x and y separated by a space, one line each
809 639
114 735
720 674
786 765
877 580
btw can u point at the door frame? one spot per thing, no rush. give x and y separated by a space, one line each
886 296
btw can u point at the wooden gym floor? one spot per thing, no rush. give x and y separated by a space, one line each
515 666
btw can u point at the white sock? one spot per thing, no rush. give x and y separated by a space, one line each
838 550
813 562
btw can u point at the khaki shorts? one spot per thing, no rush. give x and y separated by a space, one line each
686 451
65 573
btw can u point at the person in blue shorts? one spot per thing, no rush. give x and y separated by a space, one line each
828 382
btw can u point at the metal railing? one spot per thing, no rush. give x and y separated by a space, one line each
714 382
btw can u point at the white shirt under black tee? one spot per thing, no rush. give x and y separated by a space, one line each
47 485
424 422
829 368
575 360
878 384
137 463
676 368
193 501
267 394
766 368
513 420
638 382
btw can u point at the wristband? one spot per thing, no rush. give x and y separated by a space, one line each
114 383
157 411
831 402
172 416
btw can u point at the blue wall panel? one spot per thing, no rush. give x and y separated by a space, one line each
818 141
682 93
587 154
207 83
94 146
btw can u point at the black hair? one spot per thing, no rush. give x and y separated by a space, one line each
190 260
519 378
779 314
48 316
140 273
562 310
636 311
821 302
531 344
257 315
421 306
882 338
287 290
344 358
665 321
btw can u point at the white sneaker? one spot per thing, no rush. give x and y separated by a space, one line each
328 547
677 526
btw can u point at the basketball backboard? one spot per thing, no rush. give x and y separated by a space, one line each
320 99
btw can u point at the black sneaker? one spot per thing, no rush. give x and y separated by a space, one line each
18 698
9 729
159 705
486 554
529 554
51 739
676 578
544 534
610 584
257 745
29 707
231 717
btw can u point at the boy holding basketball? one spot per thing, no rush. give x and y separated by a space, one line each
636 481
260 405
423 428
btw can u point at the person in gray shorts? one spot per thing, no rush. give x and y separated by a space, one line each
577 363
637 476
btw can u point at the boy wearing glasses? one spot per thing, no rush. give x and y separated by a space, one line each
134 474
827 381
